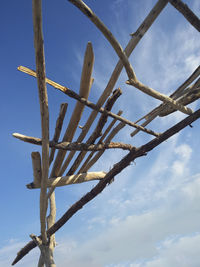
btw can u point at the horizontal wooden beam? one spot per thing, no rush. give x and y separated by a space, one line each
74 146
71 179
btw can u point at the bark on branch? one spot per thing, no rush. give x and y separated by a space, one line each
74 146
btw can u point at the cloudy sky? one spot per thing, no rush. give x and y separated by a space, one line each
149 217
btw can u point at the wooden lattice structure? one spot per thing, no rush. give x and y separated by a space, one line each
101 139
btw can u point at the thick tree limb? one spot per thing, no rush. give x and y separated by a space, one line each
117 168
187 13
37 170
71 179
41 76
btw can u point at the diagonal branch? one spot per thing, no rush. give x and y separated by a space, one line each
117 168
129 69
187 13
74 95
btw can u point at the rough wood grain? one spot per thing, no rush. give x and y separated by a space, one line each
187 13
37 169
74 146
58 128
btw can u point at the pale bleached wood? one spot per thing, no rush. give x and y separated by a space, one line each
76 116
117 168
136 37
46 252
187 13
74 146
72 179
96 133
113 133
163 108
110 126
37 169
160 96
96 107
122 55
58 128
40 70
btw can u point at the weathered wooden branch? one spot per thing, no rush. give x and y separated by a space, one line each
96 133
72 94
73 146
71 179
58 128
163 107
187 13
159 96
46 251
87 165
85 84
110 126
37 169
129 69
41 76
117 168
136 37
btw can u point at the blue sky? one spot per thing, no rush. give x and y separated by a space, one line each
150 215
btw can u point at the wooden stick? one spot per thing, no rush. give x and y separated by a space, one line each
99 142
58 128
78 110
72 179
136 37
129 69
117 168
73 146
72 94
100 153
96 133
37 169
161 108
187 13
160 96
40 70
